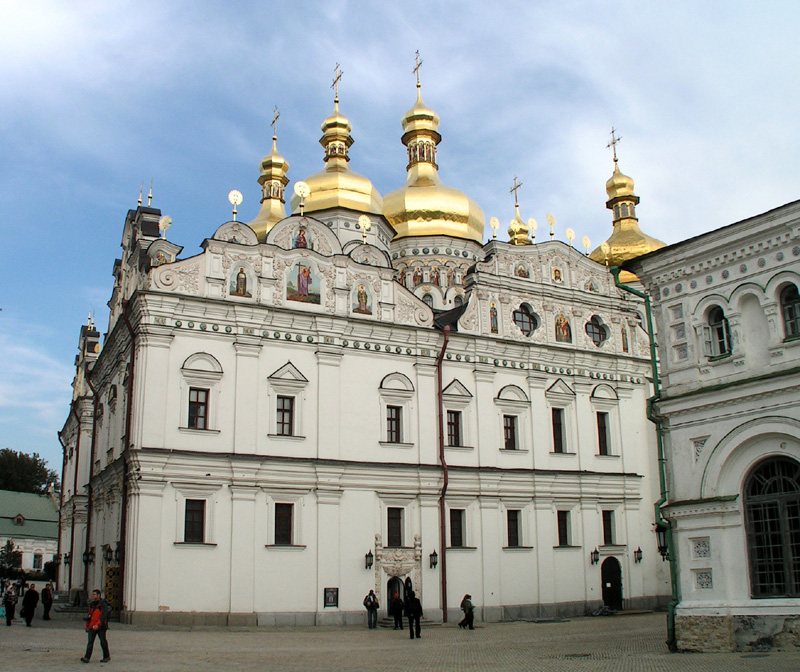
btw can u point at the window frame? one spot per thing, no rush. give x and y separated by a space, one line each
281 413
196 491
396 389
558 426
394 424
395 518
457 524
514 540
201 371
609 527
560 396
512 402
457 398
596 330
790 311
603 420
195 405
454 428
526 314
279 531
716 334
194 522
564 528
287 382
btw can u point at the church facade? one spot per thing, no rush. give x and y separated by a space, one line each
727 311
361 395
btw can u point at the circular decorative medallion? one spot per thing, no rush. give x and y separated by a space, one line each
215 327
743 268
178 323
761 262
228 330
693 284
779 256
725 274
425 250
679 287
709 279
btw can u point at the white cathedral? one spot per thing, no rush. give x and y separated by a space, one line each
364 395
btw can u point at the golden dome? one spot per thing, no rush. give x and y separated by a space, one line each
336 185
518 231
424 206
273 181
626 240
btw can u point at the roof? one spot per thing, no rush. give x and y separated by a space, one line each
39 515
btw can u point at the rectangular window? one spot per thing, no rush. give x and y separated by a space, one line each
37 561
453 428
284 425
602 433
283 524
608 528
510 432
513 518
194 521
563 528
559 444
456 528
198 408
394 537
394 418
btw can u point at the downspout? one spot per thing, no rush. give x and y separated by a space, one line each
123 524
91 476
74 493
442 517
662 475
61 500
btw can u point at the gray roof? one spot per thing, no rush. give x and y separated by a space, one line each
39 514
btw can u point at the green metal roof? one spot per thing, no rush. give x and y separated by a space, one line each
39 515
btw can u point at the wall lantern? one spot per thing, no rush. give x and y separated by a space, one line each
368 559
117 554
108 553
594 556
66 558
434 560
661 537
88 556
637 555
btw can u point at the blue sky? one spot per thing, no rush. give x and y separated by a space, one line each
97 97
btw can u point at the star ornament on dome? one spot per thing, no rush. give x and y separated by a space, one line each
235 198
495 224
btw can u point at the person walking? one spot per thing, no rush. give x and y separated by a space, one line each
96 626
29 603
396 610
10 602
371 603
47 601
414 613
469 613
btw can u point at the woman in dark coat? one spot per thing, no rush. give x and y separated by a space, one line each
47 601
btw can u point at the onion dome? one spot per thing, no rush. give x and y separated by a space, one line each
336 185
518 231
424 206
626 240
273 182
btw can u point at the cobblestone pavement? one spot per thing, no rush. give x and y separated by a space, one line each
621 643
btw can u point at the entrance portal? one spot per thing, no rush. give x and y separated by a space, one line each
611 576
394 586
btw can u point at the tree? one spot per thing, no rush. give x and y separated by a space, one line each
10 560
21 472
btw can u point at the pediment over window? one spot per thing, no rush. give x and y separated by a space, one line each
604 391
456 389
202 361
512 393
397 381
288 373
560 387
236 232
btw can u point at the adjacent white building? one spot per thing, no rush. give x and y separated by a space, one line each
363 394
728 322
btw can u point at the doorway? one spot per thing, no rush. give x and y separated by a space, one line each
394 586
611 576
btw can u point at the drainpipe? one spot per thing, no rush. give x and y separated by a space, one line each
91 476
442 517
123 524
61 501
662 476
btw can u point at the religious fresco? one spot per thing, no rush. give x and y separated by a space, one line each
303 240
435 276
563 330
592 286
362 301
401 276
451 277
493 317
239 283
624 333
521 272
417 276
558 275
303 284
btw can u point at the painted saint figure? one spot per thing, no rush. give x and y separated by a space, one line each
563 330
624 338
303 279
493 317
451 277
435 276
300 239
557 276
361 295
401 276
417 276
241 283
522 272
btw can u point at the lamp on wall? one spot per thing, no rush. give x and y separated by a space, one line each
108 554
67 557
594 556
637 555
434 559
117 554
88 556
661 537
368 559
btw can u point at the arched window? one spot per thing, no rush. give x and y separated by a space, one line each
624 209
717 334
525 319
428 299
458 301
790 306
772 520
596 331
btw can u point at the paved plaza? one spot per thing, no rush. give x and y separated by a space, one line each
617 644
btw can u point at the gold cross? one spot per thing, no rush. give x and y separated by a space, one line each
514 189
336 80
416 67
613 143
274 123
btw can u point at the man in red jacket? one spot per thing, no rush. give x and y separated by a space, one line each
96 626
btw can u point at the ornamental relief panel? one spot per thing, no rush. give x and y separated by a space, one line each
177 278
398 562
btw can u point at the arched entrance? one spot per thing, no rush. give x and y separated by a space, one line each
394 586
611 576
